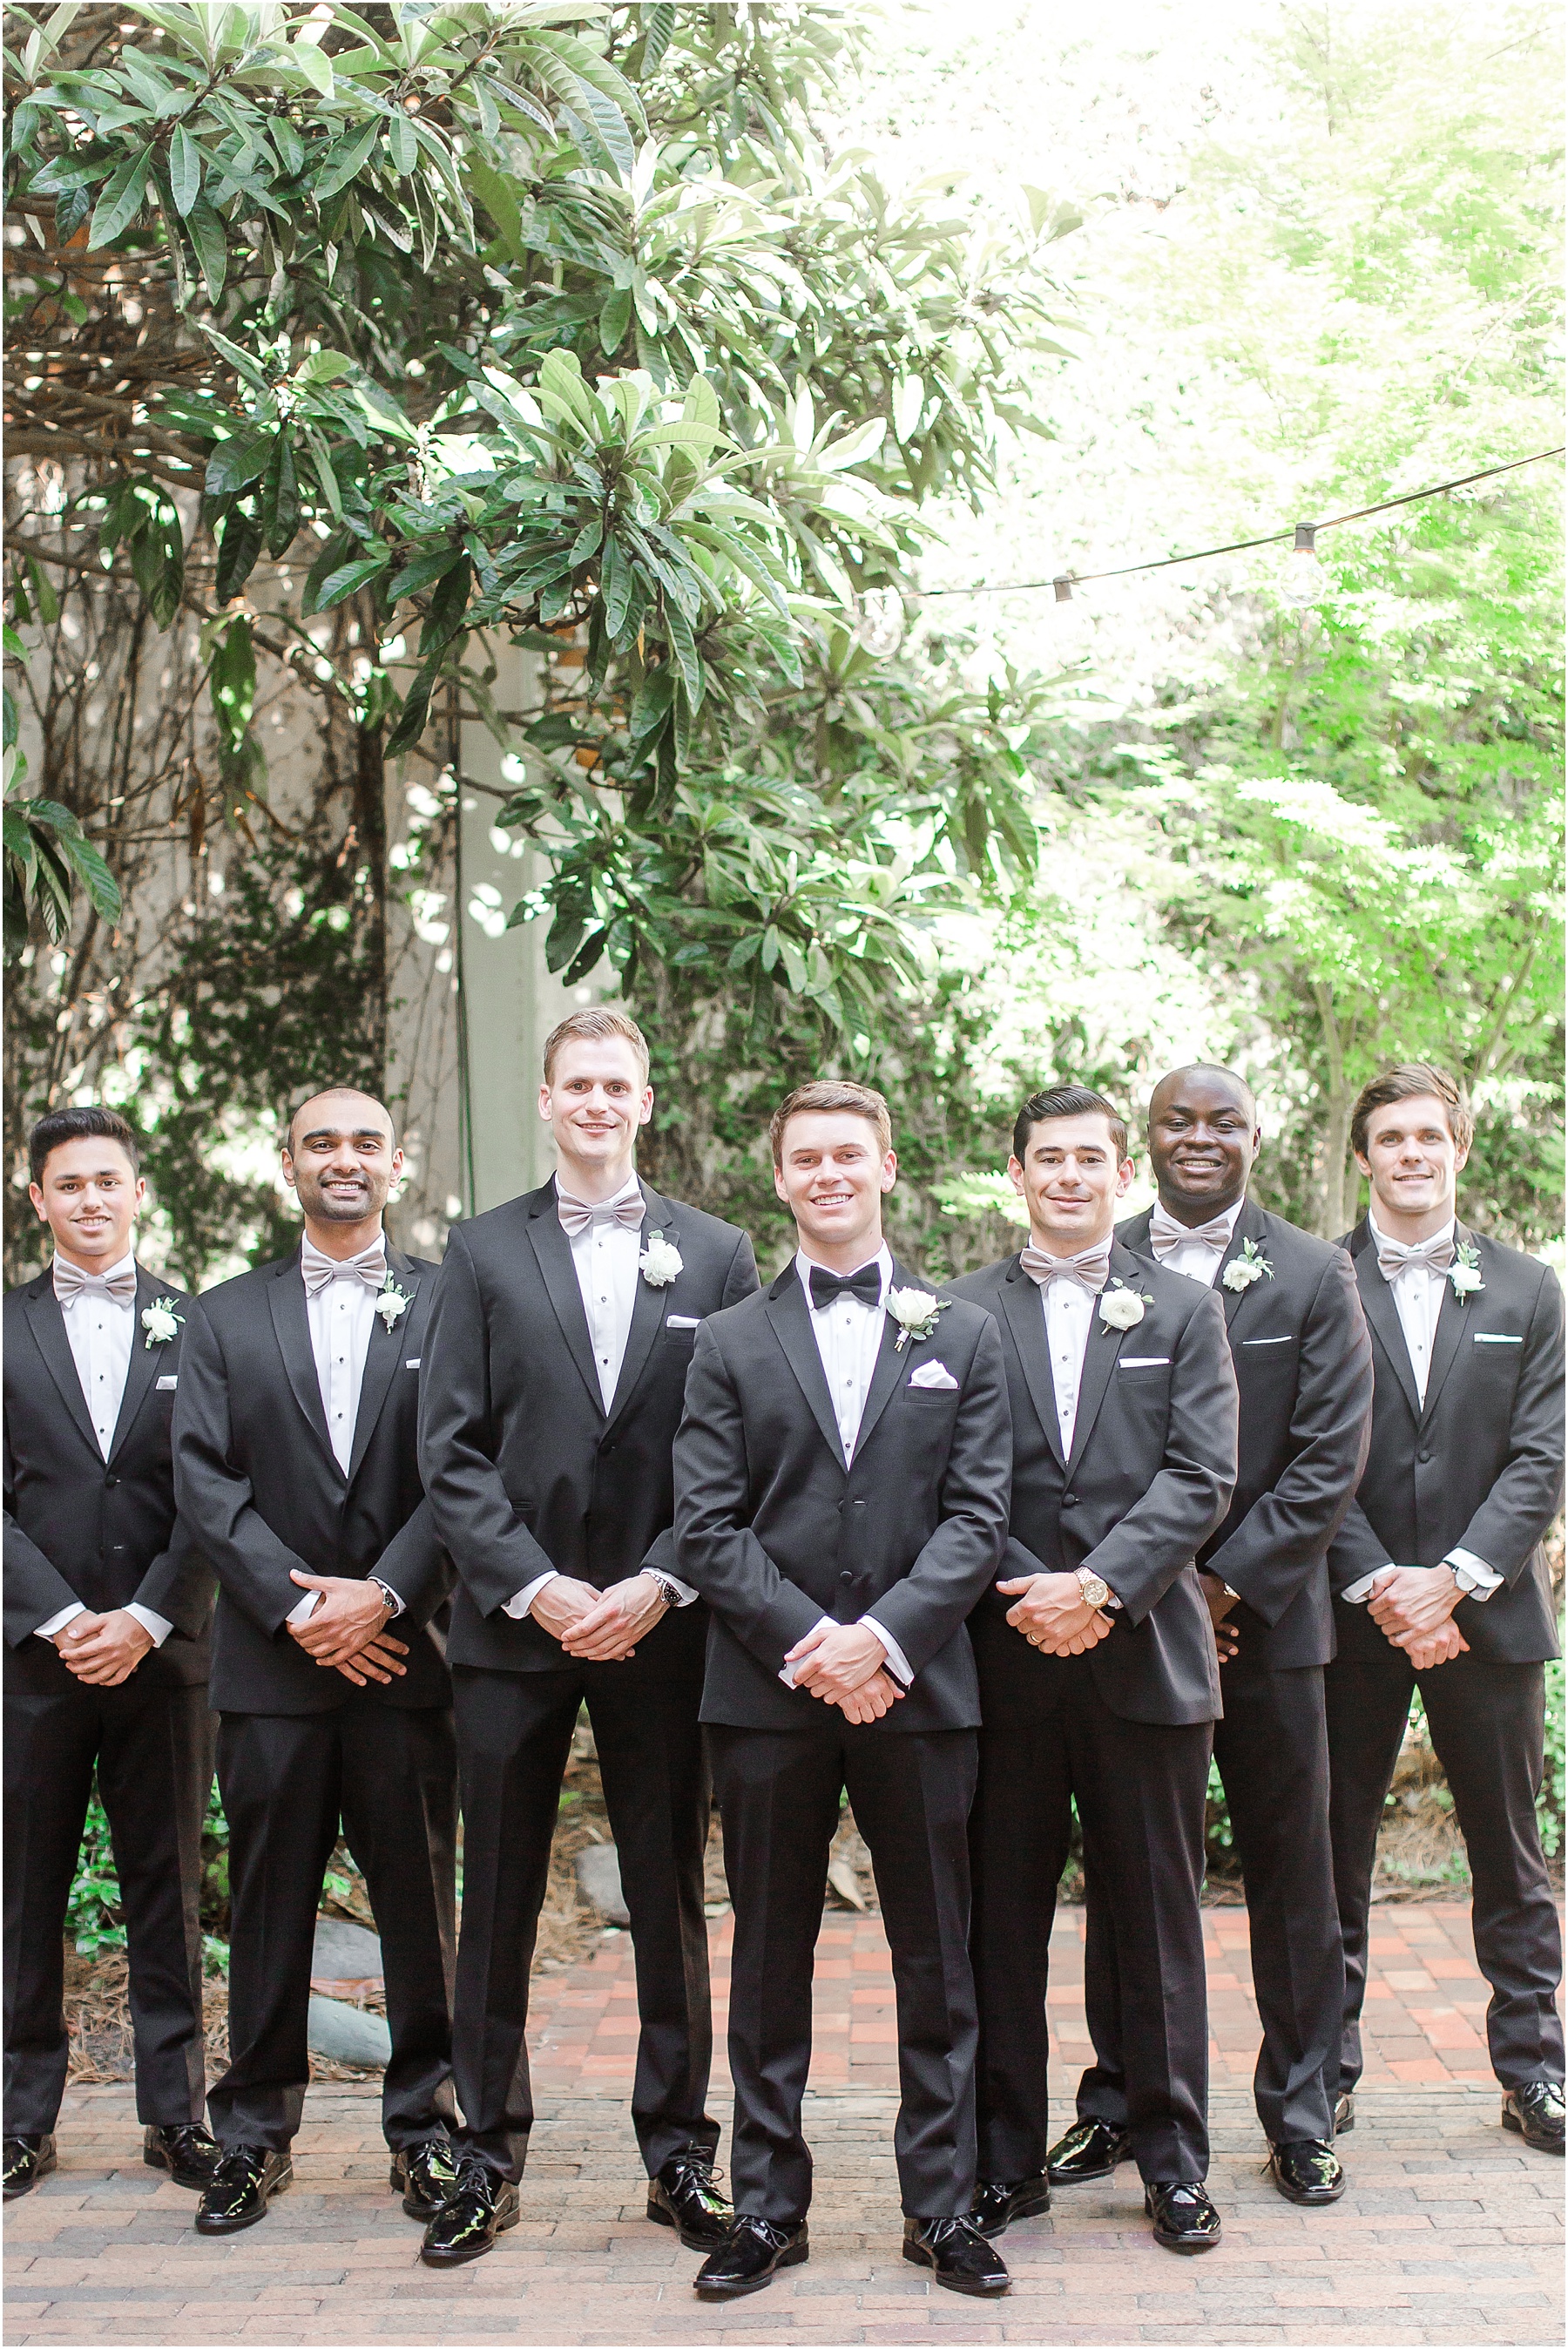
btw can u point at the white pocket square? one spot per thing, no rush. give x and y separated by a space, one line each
1144 1362
932 1374
683 1321
1482 1338
165 1384
413 1362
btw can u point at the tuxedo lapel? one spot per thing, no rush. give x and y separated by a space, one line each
1100 1356
649 1305
553 1250
47 1324
1248 1226
888 1366
1026 1321
1383 1315
790 1317
1450 1330
292 1322
146 1361
382 1357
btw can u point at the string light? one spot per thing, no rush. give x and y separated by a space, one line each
1304 568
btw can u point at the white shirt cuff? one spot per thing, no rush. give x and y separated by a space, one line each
158 1627
58 1622
306 1608
1473 1574
823 1623
518 1608
1360 1592
898 1663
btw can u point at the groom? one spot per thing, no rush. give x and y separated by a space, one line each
840 1502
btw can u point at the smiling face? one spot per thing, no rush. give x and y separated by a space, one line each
594 1101
1203 1140
342 1160
1413 1164
832 1175
1071 1180
89 1194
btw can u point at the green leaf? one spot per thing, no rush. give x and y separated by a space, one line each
684 648
344 160
211 241
236 462
280 500
239 545
616 585
121 199
184 170
348 579
613 320
404 145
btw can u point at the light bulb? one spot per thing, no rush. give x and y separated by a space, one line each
1305 581
879 626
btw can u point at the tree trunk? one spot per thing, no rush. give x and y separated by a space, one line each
1337 1197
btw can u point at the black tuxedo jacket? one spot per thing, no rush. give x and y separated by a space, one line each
263 1494
525 1468
1150 1475
776 1532
1478 1466
78 1526
1302 1361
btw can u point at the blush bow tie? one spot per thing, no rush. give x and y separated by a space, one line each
1091 1268
1165 1234
319 1270
1394 1256
71 1281
827 1286
576 1216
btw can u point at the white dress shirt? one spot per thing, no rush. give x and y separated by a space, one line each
1069 1310
1418 1301
341 1317
1200 1260
101 1333
605 1257
849 1337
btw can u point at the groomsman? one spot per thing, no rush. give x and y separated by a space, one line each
296 1471
106 1622
1098 1680
559 1345
841 1501
1439 1577
1303 1368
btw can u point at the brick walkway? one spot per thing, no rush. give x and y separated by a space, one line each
1450 2231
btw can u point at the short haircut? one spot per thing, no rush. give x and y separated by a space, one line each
86 1125
594 1027
328 1093
1066 1101
832 1096
1406 1082
1204 1068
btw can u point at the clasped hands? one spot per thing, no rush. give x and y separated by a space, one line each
1413 1606
102 1650
1053 1614
599 1627
348 1632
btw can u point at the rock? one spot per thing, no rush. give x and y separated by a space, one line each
348 2034
344 1952
599 1874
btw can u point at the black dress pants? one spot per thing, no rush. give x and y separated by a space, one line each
514 1735
1488 1723
778 1792
152 1747
1140 1788
1273 1752
388 1773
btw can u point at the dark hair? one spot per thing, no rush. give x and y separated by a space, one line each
1406 1082
831 1094
1066 1101
326 1093
87 1124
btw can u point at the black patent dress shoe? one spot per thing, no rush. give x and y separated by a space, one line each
1090 2150
240 2188
1535 2112
1306 2170
684 2196
1185 2218
997 2203
1344 2113
190 2153
749 2257
959 2256
482 2206
27 2158
427 2175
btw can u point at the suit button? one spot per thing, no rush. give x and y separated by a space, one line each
1424 1455
111 1481
1069 1500
846 1576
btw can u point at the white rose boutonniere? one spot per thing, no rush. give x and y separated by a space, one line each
393 1302
1465 1270
1121 1307
1250 1266
915 1310
660 1262
160 1321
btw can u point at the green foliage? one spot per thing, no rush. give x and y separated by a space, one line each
1549 1803
94 1919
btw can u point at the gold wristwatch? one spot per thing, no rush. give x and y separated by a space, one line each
1095 1588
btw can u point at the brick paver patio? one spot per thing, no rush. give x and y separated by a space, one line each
1450 2231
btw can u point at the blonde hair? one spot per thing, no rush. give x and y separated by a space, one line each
827 1094
594 1027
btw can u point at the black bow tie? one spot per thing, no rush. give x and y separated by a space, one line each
827 1286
